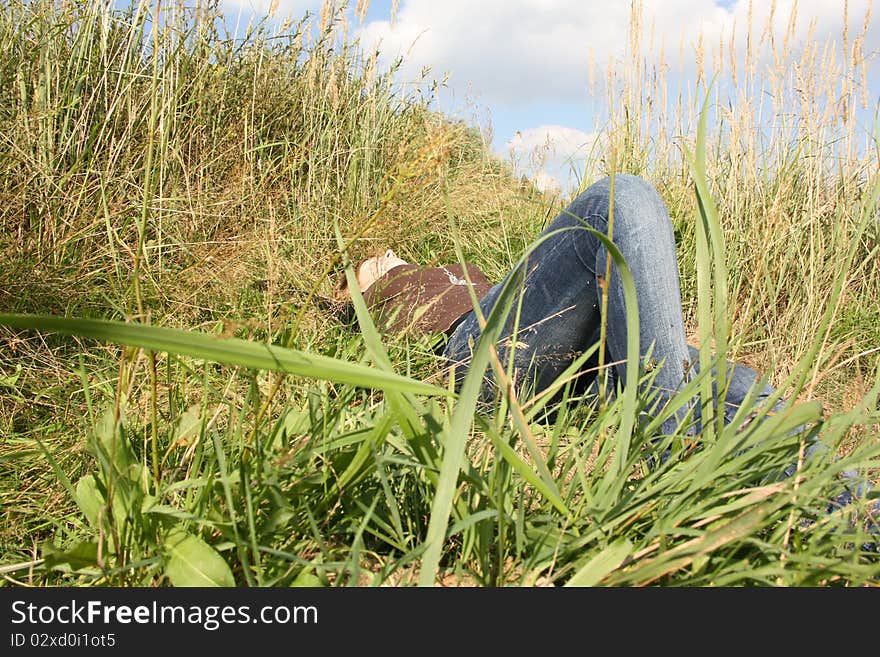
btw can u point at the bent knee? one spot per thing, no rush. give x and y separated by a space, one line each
637 197
638 207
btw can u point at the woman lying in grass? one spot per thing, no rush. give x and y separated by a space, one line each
557 314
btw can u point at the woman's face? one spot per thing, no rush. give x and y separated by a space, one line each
372 269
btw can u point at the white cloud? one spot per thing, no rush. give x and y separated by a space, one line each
501 47
554 142
512 51
549 153
546 182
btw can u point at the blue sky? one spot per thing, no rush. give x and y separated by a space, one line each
521 68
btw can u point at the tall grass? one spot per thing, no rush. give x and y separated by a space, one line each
186 197
793 147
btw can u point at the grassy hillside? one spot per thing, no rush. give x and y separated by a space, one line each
170 175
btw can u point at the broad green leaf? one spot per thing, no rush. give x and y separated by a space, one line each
10 380
192 562
306 578
89 499
188 425
603 563
82 555
113 445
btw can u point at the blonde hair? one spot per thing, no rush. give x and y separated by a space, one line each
382 262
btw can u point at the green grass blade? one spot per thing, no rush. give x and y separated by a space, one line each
518 464
231 351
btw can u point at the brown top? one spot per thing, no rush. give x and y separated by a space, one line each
424 300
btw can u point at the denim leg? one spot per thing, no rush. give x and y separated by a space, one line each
742 382
561 295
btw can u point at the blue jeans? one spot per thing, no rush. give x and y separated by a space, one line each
561 297
561 300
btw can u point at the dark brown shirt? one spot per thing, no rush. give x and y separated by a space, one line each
423 300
